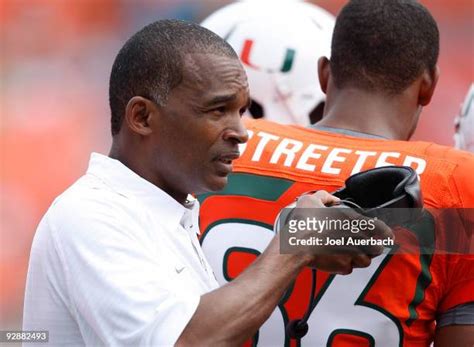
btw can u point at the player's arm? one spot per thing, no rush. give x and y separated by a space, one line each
455 336
456 326
233 313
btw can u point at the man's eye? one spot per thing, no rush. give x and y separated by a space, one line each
218 110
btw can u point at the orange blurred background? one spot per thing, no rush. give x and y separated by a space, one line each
55 59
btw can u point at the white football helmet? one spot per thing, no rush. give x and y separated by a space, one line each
464 123
279 44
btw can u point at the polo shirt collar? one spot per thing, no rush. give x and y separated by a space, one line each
127 183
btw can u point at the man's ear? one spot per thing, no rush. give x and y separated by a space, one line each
429 79
323 72
137 115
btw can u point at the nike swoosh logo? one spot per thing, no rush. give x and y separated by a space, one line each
179 269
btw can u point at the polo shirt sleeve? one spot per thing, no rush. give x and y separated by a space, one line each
118 283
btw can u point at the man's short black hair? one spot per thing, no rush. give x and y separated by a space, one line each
150 63
383 45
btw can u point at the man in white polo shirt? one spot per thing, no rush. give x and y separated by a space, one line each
116 260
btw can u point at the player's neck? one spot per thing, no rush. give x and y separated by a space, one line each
370 113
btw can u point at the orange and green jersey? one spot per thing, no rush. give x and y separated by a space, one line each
393 302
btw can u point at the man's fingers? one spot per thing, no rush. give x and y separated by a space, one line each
319 199
373 250
383 231
368 238
361 260
326 198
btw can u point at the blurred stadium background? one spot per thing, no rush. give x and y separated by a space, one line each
55 59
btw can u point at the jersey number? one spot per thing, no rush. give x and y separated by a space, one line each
340 308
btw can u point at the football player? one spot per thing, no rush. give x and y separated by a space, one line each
464 123
279 43
382 71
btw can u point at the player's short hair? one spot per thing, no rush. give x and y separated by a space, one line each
151 62
383 45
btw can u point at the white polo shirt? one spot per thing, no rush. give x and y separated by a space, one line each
115 261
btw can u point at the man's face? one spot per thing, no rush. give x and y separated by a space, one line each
200 127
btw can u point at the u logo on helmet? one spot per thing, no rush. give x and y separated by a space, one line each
285 67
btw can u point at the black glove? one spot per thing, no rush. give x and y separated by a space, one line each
379 192
391 193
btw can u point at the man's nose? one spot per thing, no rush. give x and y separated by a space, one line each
237 132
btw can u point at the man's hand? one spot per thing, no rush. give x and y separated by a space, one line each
339 258
236 310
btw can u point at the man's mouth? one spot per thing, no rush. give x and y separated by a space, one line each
228 157
225 162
